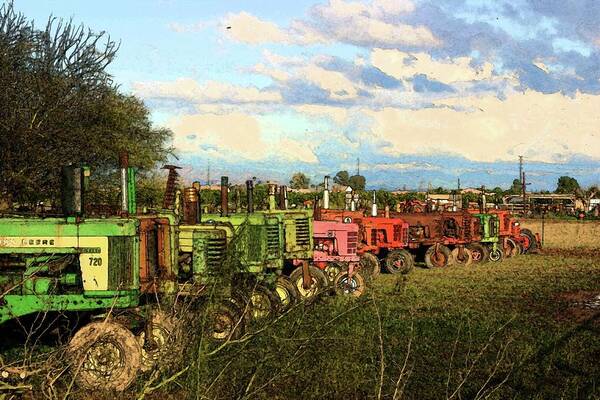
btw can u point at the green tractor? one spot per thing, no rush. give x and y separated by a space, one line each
487 248
298 248
256 246
115 274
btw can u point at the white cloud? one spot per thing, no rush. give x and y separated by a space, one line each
403 65
542 127
187 89
247 28
335 82
364 24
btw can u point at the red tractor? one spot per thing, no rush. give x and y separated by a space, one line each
514 239
444 236
335 253
379 238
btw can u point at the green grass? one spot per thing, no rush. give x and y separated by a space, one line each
520 329
509 325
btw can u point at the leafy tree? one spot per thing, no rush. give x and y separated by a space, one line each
299 181
357 182
567 184
342 178
58 105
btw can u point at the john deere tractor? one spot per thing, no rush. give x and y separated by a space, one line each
116 274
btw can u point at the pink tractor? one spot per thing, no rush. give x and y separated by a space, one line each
335 253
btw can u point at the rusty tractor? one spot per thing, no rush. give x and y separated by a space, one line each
513 238
442 236
380 238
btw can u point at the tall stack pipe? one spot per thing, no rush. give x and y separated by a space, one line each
326 193
374 204
272 188
283 197
250 195
224 196
124 164
191 209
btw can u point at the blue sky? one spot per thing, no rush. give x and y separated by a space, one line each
423 91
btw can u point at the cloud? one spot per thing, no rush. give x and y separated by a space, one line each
336 21
246 28
365 24
542 127
234 136
403 65
189 90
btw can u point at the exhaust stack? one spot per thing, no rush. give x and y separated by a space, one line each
123 164
191 205
374 204
250 195
271 190
283 200
224 196
326 193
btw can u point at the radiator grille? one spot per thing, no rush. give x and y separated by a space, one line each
352 242
273 244
215 251
120 269
397 233
302 232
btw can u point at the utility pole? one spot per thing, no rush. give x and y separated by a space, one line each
208 175
458 185
358 166
520 167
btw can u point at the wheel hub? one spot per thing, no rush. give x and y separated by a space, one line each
103 358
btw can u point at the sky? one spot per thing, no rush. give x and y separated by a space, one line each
423 92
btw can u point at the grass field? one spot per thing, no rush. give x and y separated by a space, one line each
528 328
566 234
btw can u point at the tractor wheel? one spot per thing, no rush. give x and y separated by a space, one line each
532 244
333 269
223 321
160 339
519 248
104 355
287 293
479 253
496 255
350 286
466 259
263 301
510 249
399 262
369 265
239 297
318 283
440 259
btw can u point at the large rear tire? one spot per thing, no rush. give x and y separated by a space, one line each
345 285
369 265
532 242
511 248
465 259
287 293
399 262
440 259
317 284
263 301
479 253
105 355
223 321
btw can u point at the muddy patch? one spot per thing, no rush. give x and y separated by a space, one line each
578 306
